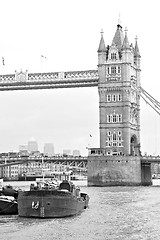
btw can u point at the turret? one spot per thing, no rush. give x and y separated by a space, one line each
126 50
137 55
101 51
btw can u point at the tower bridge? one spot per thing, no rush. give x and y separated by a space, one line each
118 160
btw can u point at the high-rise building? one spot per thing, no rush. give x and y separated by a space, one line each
32 146
48 149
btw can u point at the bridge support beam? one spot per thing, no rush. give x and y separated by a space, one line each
114 170
146 174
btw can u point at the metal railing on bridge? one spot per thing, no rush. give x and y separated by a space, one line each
150 159
70 161
27 81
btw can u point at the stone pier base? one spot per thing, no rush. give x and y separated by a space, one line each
114 170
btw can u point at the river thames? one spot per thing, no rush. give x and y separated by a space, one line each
123 213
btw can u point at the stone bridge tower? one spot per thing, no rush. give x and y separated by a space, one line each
119 104
117 161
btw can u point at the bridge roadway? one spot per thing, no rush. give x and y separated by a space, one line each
150 159
77 162
74 162
27 81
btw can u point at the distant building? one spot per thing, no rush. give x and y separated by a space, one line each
48 149
32 146
23 150
23 147
76 153
66 152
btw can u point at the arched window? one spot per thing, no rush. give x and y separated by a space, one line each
120 118
119 133
119 97
113 56
108 97
117 118
114 118
114 97
114 137
109 133
113 70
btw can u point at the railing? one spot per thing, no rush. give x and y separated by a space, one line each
150 159
21 160
26 81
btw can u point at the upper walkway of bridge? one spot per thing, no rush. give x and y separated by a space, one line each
27 81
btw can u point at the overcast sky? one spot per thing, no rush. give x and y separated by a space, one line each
67 32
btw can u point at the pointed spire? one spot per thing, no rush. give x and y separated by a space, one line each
102 47
118 37
136 49
125 42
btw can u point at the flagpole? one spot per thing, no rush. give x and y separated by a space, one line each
3 64
41 66
42 56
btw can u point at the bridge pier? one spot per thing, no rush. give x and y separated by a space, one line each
146 174
104 170
116 171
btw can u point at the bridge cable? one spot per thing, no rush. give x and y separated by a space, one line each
153 103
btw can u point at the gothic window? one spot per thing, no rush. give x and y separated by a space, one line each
114 144
108 98
119 97
117 118
109 133
120 118
113 70
114 118
113 56
114 98
114 137
119 133
109 118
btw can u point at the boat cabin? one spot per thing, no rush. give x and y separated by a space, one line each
65 185
69 187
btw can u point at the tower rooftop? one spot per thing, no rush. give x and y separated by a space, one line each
118 37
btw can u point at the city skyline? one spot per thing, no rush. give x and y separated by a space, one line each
32 146
68 41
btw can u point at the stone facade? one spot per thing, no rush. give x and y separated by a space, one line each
117 162
119 103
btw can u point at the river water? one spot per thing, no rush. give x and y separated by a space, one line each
123 213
